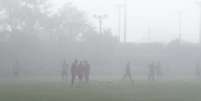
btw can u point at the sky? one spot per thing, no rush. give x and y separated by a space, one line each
148 20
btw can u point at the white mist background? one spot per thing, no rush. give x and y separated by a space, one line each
160 17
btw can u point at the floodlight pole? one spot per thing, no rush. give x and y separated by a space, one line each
125 20
119 7
199 4
100 19
119 22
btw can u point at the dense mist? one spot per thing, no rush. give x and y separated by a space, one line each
50 45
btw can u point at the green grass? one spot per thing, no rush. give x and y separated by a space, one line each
101 91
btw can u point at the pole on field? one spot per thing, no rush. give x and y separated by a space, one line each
100 19
199 4
125 20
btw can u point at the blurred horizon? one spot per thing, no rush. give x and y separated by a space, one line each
159 18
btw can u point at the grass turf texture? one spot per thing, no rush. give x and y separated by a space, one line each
101 91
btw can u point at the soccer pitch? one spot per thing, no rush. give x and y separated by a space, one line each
101 91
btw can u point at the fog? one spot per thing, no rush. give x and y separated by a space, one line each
160 15
99 41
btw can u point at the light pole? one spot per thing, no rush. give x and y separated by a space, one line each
199 4
125 20
119 7
100 19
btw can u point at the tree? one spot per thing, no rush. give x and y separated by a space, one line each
71 21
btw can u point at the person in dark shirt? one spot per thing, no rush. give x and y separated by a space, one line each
151 72
128 73
87 68
74 68
16 69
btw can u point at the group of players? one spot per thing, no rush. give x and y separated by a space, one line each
155 71
79 69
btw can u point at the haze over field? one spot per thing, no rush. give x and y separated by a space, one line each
100 50
160 16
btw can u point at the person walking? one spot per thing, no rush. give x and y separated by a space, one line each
128 73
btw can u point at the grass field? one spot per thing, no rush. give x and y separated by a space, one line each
101 91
